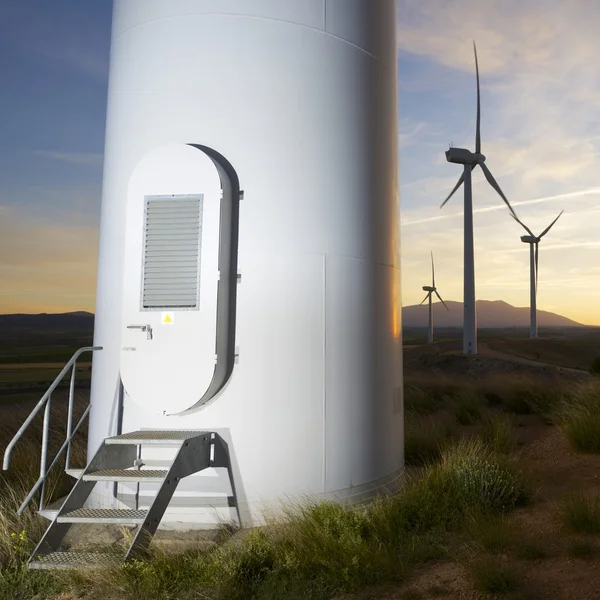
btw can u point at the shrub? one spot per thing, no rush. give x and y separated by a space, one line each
595 366
470 478
482 479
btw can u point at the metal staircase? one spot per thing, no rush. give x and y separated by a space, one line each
116 461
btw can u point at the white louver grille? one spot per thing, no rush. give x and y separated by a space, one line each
172 240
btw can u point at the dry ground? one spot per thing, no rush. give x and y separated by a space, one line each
553 469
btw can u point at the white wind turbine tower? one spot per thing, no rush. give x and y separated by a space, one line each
533 241
430 291
471 160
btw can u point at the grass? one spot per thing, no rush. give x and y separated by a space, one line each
493 577
581 513
529 549
460 490
492 534
574 353
315 552
424 439
518 394
29 374
581 548
467 407
579 418
498 432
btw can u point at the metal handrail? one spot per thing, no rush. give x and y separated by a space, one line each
45 400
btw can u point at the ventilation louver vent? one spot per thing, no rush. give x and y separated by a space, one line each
171 275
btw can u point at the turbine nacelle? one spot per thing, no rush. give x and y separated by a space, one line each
462 156
428 288
528 239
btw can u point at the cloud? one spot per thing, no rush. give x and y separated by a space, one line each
79 158
578 194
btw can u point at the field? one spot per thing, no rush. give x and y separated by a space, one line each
31 358
502 497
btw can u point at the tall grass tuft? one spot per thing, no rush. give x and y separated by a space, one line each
492 577
424 439
467 407
581 513
498 433
579 418
491 532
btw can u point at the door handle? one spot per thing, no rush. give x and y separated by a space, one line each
146 328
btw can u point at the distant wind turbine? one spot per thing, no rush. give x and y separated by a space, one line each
471 160
532 240
430 291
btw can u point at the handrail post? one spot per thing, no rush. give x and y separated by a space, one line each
70 416
44 457
44 402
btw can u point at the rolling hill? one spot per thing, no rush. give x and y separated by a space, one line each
490 314
74 321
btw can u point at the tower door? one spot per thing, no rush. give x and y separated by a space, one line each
179 280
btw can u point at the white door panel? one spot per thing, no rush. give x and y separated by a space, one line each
171 278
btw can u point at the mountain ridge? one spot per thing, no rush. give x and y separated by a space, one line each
490 314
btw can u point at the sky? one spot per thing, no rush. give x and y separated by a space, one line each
540 128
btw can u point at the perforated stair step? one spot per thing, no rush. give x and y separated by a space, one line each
134 475
154 437
104 515
77 560
118 459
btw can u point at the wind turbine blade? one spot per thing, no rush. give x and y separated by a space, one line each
536 268
441 300
549 226
477 128
460 182
425 298
523 224
432 271
494 184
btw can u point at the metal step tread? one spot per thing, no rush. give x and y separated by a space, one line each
76 560
154 436
103 515
148 475
76 473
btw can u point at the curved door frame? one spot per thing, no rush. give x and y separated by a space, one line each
228 275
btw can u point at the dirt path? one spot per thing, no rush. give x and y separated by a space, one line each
485 350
